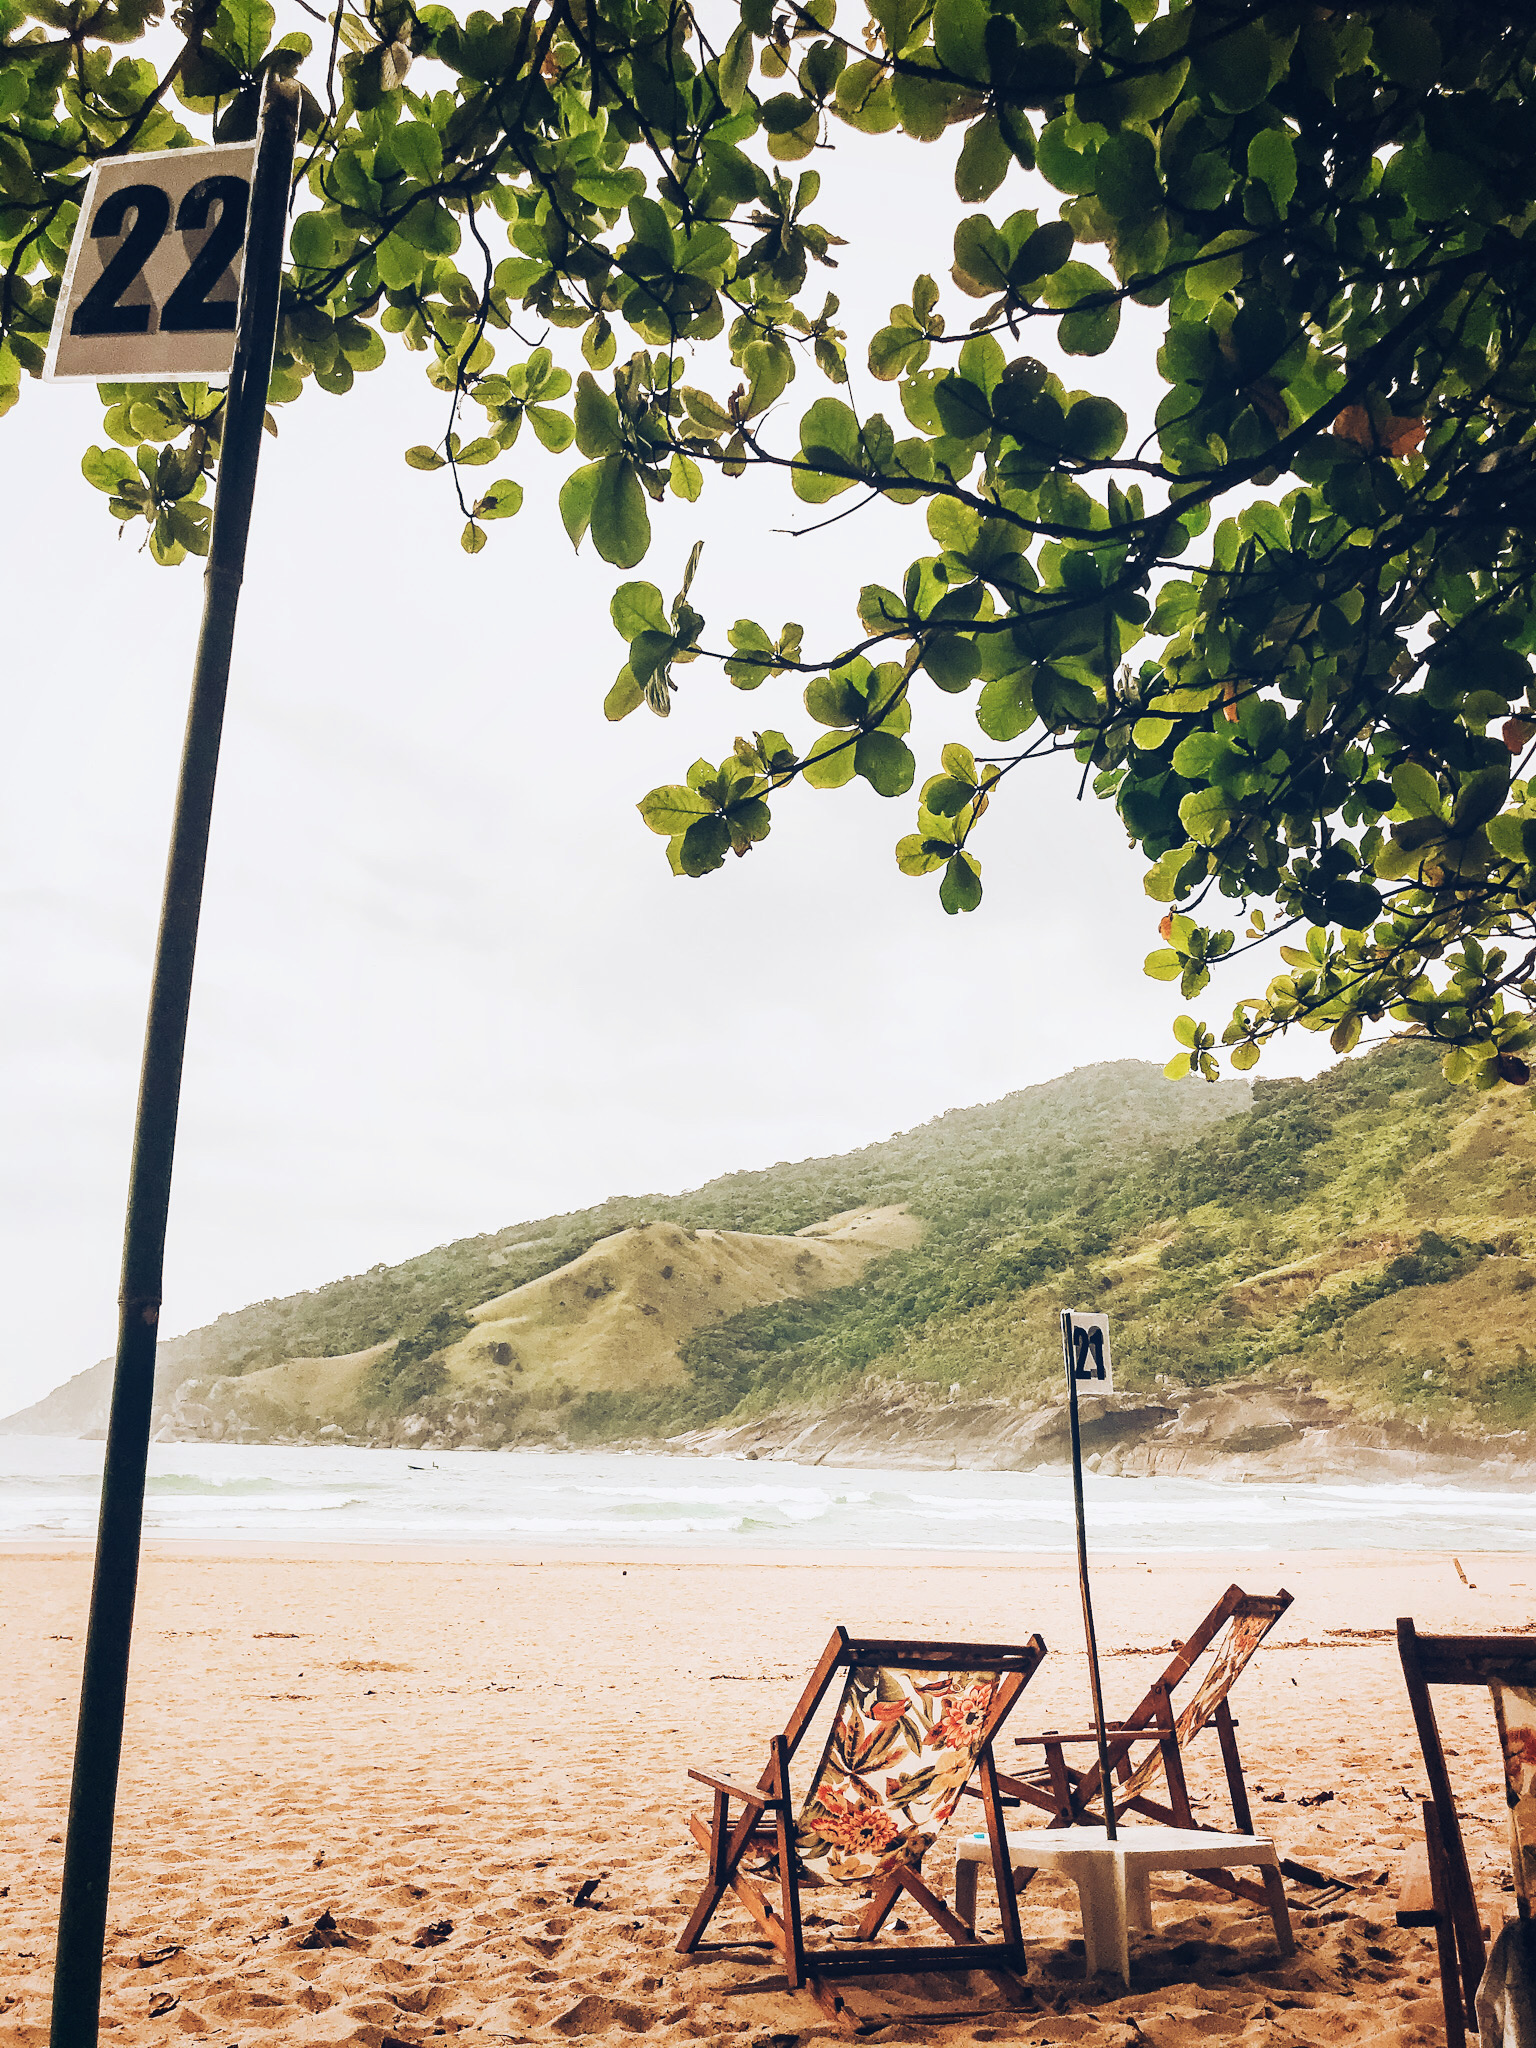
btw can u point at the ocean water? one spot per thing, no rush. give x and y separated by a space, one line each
617 1502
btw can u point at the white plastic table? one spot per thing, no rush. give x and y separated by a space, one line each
1112 1877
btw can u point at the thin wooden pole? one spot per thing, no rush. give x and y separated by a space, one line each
114 1587
1082 1580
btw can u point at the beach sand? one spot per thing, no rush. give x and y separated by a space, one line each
412 1742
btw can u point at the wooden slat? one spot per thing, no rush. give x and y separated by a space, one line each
1415 1898
748 1797
1474 1660
928 1656
891 1961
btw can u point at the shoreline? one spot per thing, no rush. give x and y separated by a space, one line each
805 1557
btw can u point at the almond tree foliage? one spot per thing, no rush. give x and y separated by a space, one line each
1287 634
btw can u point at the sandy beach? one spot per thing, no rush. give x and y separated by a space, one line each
362 1790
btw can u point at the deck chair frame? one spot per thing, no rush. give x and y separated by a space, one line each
765 1819
1067 1794
1437 1889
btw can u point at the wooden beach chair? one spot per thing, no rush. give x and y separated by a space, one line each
1232 1631
1437 1885
1070 1796
915 1722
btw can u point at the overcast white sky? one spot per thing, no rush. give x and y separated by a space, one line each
446 980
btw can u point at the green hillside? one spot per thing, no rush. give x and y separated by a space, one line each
1368 1233
970 1171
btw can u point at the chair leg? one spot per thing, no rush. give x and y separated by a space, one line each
1279 1908
1445 1935
1237 1790
714 1889
794 1940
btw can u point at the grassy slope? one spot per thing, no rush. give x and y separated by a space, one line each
1363 1230
1371 1231
965 1173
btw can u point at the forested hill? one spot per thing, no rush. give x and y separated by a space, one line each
1361 1242
974 1175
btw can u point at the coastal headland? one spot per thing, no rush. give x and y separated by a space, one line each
1306 1279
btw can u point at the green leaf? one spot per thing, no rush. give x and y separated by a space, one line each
1041 253
1095 429
829 436
108 468
918 855
687 479
1205 816
625 696
597 417
1089 330
961 886
554 430
1164 964
1234 66
637 608
981 258
649 652
885 763
831 701
1354 905
577 495
1006 706
673 808
418 149
1417 791
953 661
984 160
1405 46
704 846
1272 161
501 501
736 68
473 538
621 524
830 762
945 796
1480 797
312 240
895 351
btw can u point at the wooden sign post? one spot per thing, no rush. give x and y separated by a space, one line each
150 295
1085 1350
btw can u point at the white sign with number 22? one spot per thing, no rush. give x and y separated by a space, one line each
153 282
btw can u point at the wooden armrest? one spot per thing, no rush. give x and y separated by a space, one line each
1416 1899
975 1792
1115 1732
1112 1734
749 1797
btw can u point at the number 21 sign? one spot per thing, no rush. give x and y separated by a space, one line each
153 282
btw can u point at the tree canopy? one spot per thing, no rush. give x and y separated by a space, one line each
1286 632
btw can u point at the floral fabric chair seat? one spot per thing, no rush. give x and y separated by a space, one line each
1514 1708
902 1750
1244 1632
